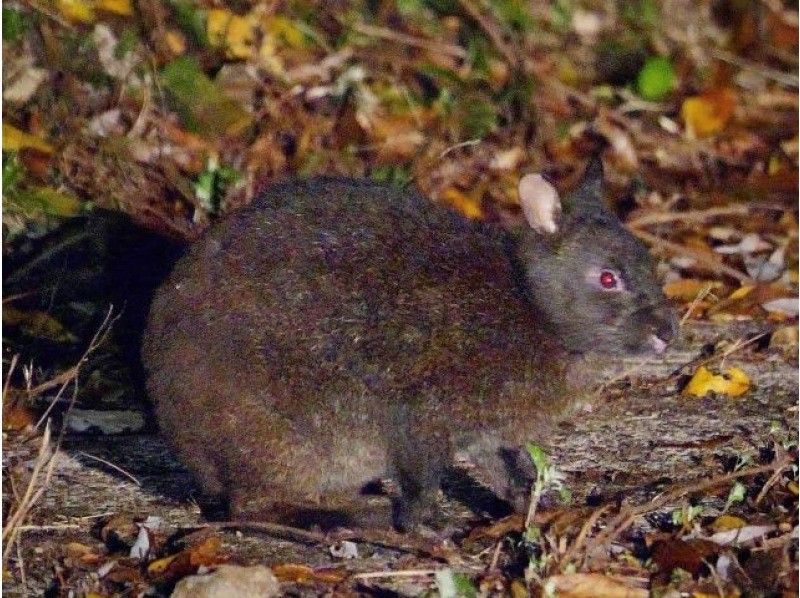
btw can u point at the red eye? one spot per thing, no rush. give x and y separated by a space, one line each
608 280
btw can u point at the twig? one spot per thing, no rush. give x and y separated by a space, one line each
11 529
764 71
112 466
47 456
773 479
583 534
702 258
457 146
48 528
400 573
306 537
628 514
776 542
496 556
410 40
691 215
21 564
698 298
7 383
72 373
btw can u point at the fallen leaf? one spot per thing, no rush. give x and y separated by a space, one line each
231 32
79 11
742 535
785 305
118 7
187 561
17 417
290 572
590 585
688 289
469 205
784 339
709 113
727 522
287 30
22 87
733 382
14 140
689 555
37 324
203 106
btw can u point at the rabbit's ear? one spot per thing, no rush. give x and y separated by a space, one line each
588 195
540 203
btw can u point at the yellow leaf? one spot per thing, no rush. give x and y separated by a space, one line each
15 140
466 204
688 289
118 7
591 585
733 382
160 565
76 10
741 292
724 523
708 114
232 32
38 324
176 42
287 30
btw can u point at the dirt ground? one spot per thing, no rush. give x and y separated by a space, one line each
641 438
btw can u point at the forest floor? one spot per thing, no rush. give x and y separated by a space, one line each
683 477
645 450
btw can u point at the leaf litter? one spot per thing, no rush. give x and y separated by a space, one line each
178 112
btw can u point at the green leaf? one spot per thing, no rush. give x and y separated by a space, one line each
539 458
656 79
202 105
15 24
212 183
192 20
736 495
452 584
13 172
45 200
479 118
514 13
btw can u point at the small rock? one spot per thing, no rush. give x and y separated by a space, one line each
230 581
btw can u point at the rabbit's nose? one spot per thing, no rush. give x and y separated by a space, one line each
666 325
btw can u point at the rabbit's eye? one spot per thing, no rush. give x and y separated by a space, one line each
608 280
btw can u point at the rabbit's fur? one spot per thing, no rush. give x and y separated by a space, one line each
338 331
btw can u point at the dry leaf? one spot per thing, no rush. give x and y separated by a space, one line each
14 140
76 10
708 113
17 417
733 382
688 289
231 32
469 205
727 522
591 585
673 553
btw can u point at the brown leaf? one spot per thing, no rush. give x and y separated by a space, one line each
591 585
671 554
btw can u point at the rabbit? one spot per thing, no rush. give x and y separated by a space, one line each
338 331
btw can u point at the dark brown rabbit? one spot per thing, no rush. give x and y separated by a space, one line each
337 331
